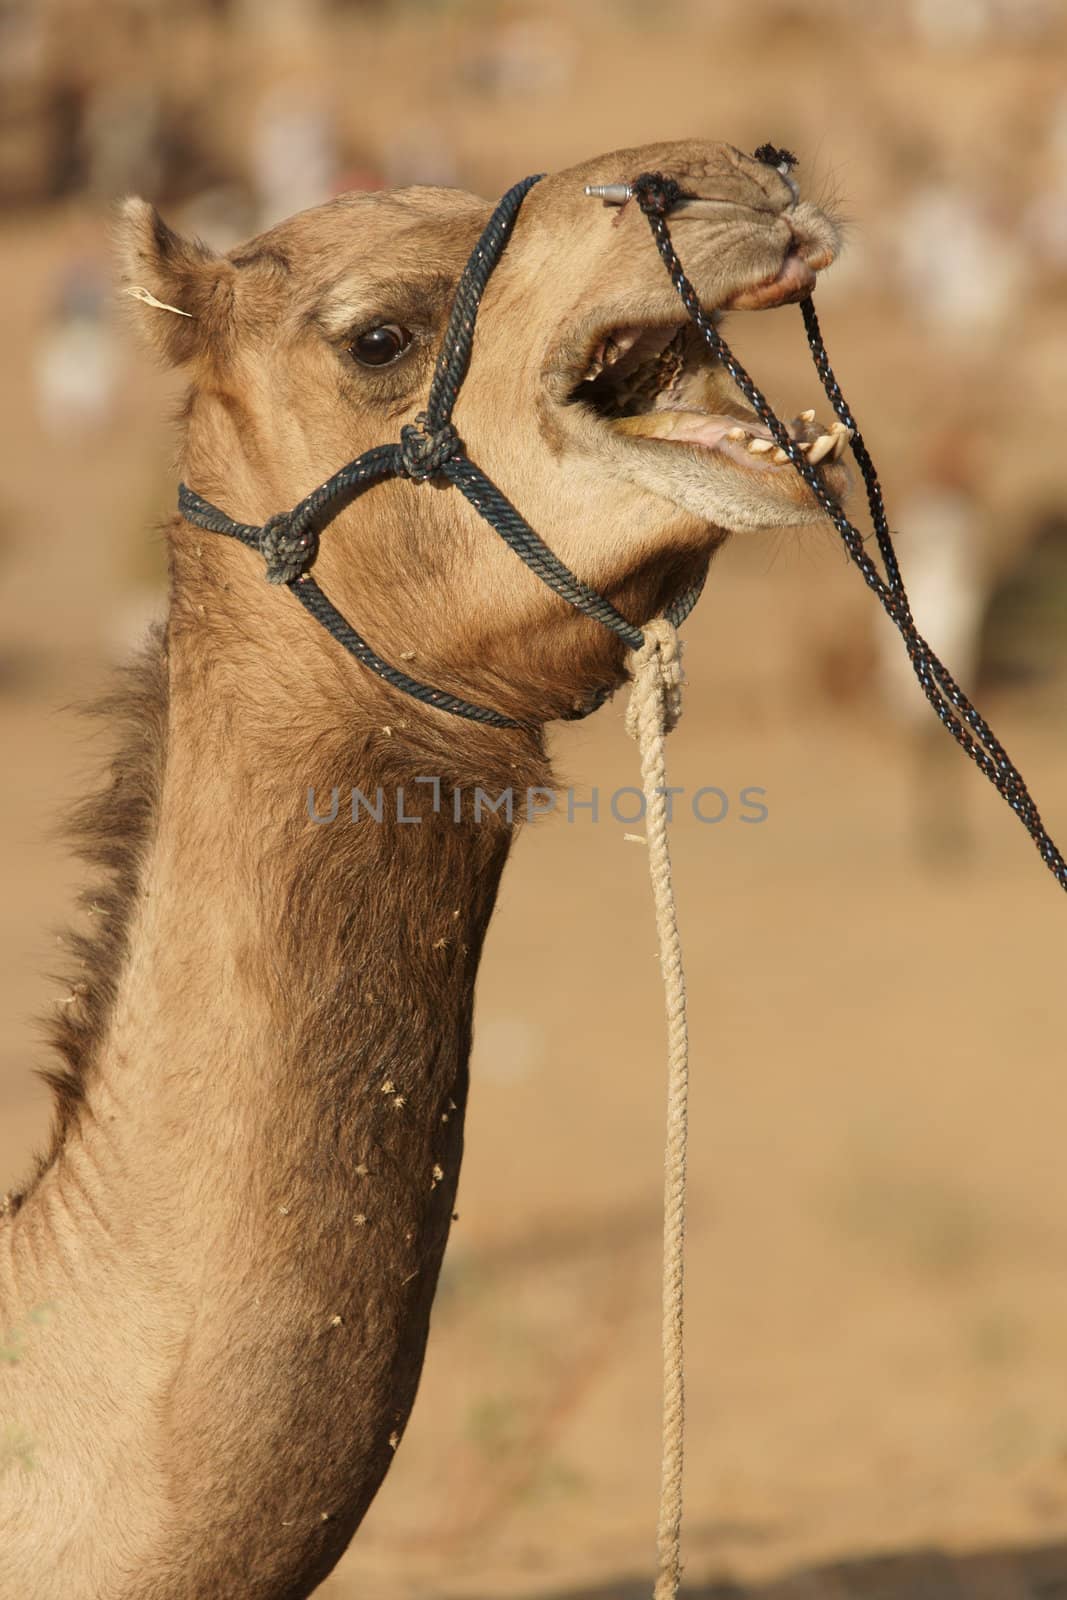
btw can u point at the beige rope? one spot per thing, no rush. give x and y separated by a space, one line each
654 709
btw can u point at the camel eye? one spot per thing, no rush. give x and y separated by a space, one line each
378 346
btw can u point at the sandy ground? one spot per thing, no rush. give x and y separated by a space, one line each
878 1245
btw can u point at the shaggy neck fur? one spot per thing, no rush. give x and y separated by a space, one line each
238 1233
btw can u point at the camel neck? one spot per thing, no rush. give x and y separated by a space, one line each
249 1209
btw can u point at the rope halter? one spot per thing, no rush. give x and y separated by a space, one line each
430 448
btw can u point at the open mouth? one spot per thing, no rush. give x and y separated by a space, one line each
663 384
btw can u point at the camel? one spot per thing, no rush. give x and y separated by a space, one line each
218 1281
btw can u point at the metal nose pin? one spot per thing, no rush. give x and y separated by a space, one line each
612 194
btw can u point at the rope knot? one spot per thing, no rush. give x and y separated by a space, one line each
424 450
657 679
656 193
771 156
289 545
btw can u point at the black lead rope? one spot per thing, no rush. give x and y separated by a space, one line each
656 195
430 447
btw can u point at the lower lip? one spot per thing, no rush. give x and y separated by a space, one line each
793 281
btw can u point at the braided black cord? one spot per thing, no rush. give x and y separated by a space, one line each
371 467
313 600
194 508
453 358
656 194
381 462
679 609
871 482
427 447
430 446
883 535
501 515
451 368
993 759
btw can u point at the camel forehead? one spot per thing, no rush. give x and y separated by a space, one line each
397 254
443 222
394 229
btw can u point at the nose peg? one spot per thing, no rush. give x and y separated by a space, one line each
612 194
771 156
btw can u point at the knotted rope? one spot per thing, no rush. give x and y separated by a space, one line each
429 449
288 543
425 449
654 709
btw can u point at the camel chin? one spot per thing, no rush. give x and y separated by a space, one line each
658 406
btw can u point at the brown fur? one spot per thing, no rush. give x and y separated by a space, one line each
259 1120
110 831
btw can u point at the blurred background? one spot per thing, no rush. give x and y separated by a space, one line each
878 1249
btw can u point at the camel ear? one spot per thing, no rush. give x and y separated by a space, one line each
181 290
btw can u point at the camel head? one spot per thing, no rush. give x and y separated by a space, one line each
590 401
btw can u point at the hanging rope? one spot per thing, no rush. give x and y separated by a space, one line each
654 708
656 194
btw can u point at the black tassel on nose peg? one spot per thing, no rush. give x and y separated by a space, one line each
772 156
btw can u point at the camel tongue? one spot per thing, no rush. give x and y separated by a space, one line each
688 427
698 427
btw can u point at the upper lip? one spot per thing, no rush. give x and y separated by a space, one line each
645 380
792 280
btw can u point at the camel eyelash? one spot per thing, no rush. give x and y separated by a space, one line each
344 318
